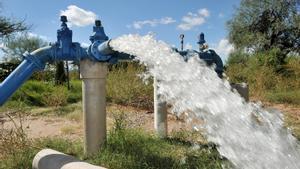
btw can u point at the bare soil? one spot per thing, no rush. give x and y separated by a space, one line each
54 126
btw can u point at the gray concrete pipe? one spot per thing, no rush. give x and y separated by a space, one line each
160 113
93 75
51 159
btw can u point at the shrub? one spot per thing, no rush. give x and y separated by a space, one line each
291 97
125 87
267 76
57 97
75 92
31 92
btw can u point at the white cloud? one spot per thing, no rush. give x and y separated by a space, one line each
152 23
221 15
204 12
78 16
223 48
193 19
188 46
167 20
45 38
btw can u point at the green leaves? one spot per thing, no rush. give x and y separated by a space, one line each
265 24
16 46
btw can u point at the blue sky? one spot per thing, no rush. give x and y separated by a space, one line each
166 19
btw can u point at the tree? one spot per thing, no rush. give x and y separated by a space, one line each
16 46
262 25
60 76
9 26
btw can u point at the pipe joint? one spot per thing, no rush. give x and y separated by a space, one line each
75 53
96 54
35 60
105 49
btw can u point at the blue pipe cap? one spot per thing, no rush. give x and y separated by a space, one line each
201 39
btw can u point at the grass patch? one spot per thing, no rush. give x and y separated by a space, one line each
274 83
21 156
126 88
61 111
45 94
68 130
130 148
123 87
292 121
290 97
125 148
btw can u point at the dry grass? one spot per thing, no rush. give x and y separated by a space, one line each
67 130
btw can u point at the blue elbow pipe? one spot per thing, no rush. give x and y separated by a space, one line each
16 79
32 62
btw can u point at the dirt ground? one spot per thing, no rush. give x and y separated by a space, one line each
54 126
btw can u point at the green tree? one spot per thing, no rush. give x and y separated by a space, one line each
16 46
9 26
262 25
60 75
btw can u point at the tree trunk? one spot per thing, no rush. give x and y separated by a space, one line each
60 76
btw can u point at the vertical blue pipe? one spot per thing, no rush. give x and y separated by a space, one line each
16 79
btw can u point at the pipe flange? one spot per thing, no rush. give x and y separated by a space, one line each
96 54
38 63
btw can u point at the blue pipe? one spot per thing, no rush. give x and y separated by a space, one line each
62 49
105 49
36 61
30 64
16 79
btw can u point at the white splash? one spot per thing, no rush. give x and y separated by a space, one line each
250 137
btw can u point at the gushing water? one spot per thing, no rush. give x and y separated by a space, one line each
249 136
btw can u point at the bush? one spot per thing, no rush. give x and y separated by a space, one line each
290 97
58 97
31 93
75 92
125 87
266 75
40 93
